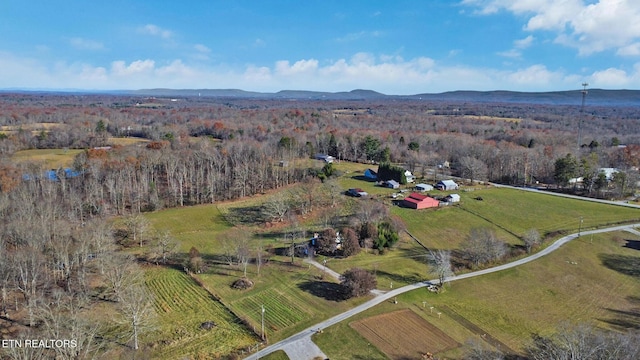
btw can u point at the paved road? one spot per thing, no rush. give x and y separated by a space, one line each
305 335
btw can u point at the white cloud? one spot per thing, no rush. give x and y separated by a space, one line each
86 44
518 46
513 53
155 30
610 77
387 74
629 50
121 69
201 48
524 43
589 27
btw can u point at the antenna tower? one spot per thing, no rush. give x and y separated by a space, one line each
584 96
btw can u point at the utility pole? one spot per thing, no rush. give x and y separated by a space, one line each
580 227
262 322
584 96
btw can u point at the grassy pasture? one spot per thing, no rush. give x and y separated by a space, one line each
32 127
295 297
49 158
126 141
507 211
182 306
591 279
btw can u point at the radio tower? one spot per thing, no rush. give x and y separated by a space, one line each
584 96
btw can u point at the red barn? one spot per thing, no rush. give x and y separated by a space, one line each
419 201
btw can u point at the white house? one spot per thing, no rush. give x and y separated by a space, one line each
608 172
409 176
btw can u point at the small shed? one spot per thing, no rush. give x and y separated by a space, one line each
392 184
370 174
447 185
452 198
424 187
419 201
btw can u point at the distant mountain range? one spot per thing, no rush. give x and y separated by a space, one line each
595 97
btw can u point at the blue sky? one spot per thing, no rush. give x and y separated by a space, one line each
394 47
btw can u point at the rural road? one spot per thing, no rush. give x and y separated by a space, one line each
303 338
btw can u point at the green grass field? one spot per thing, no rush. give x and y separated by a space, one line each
182 306
592 279
294 296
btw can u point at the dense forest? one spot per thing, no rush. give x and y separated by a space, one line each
57 242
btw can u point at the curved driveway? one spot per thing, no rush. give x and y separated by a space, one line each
306 334
303 337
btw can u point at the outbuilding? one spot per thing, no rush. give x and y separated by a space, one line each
419 201
424 187
392 184
447 185
452 198
370 174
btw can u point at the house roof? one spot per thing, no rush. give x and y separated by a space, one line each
417 197
424 185
447 182
393 182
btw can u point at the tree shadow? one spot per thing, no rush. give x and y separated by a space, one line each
363 178
324 289
247 215
632 244
410 279
626 319
624 264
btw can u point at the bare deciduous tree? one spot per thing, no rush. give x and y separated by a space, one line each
120 272
531 238
483 246
440 263
584 342
136 310
137 226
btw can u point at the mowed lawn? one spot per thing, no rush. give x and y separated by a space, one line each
592 279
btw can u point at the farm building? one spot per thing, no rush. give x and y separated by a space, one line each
452 198
419 201
424 187
392 184
324 157
446 185
370 174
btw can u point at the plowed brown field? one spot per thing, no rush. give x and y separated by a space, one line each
403 335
